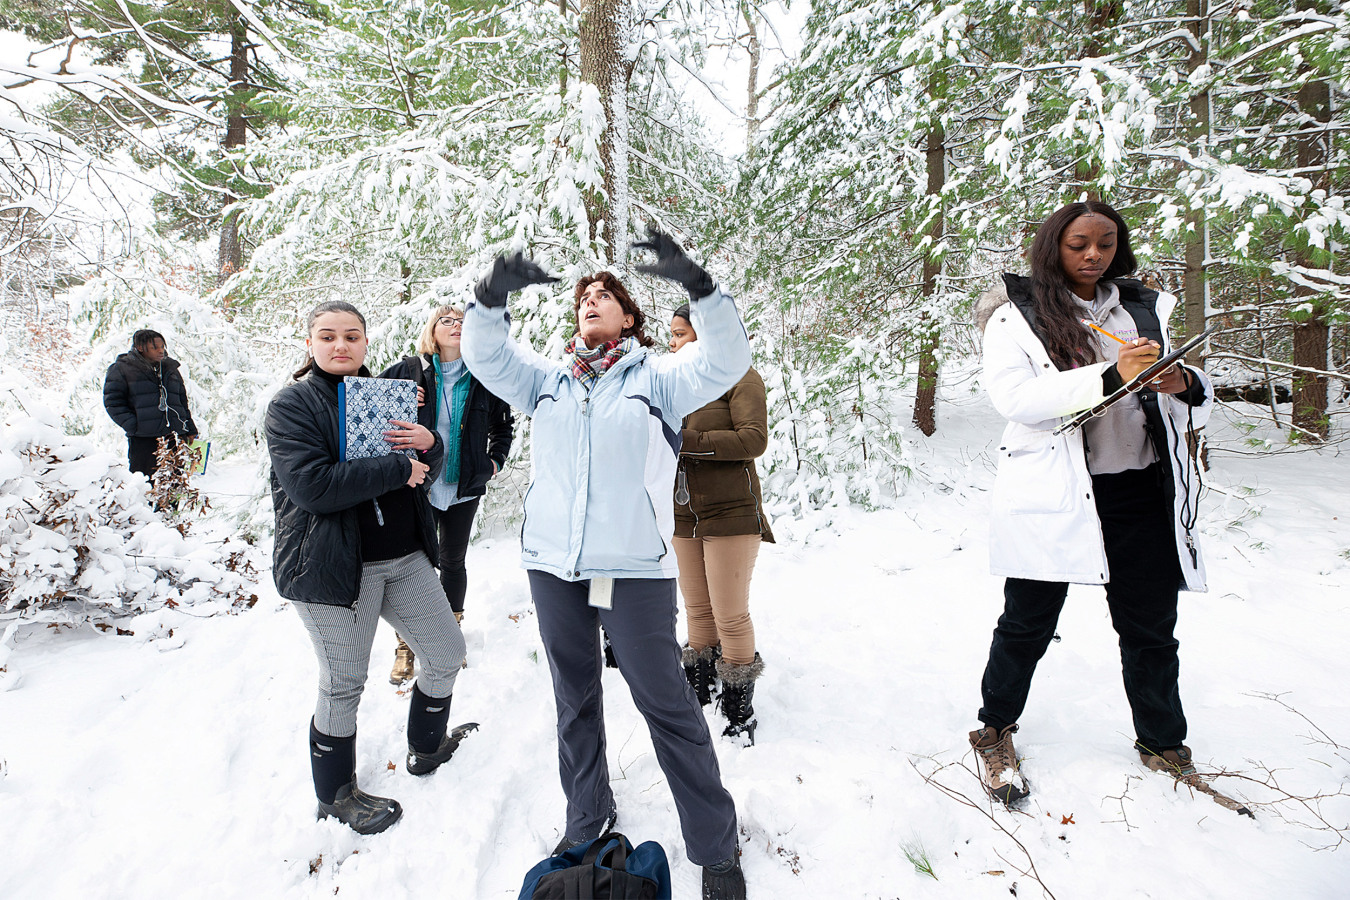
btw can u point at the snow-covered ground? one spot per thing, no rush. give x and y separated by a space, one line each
177 766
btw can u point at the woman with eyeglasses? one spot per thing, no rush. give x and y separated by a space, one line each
477 428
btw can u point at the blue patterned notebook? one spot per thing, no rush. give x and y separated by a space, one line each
365 406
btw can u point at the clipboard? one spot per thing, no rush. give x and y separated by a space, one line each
1135 384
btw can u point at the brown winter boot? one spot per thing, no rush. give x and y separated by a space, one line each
1000 773
1176 763
403 663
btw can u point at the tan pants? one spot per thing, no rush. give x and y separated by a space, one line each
715 581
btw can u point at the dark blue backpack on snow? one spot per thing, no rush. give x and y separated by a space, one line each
607 868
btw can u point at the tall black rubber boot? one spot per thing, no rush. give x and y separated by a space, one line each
738 696
333 764
725 880
700 667
428 744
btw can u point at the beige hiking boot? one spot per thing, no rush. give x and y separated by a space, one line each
403 664
1000 772
1176 763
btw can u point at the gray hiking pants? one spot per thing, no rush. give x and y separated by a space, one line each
641 628
408 595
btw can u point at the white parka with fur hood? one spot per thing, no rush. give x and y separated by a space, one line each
1044 523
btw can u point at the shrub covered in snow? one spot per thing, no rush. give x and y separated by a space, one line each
79 540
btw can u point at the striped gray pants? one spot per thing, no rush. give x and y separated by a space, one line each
407 593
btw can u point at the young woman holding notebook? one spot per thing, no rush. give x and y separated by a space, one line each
355 543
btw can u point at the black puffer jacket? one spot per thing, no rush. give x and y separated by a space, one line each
486 428
316 557
131 391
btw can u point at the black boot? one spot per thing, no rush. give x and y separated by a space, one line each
738 695
700 667
428 744
567 843
724 881
333 763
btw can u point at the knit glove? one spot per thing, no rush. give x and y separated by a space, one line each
509 273
673 264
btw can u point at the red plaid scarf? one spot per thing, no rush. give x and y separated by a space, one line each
589 365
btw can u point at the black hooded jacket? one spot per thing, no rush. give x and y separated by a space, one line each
131 394
486 428
316 555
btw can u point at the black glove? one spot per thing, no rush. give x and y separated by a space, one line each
509 273
673 264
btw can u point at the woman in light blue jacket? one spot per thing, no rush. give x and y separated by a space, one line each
599 519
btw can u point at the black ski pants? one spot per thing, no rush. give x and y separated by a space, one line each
454 526
1141 595
641 627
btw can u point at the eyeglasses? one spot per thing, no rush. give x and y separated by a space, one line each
450 321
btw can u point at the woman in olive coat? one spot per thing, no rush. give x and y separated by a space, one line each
719 525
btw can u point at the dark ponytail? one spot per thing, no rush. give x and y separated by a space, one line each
1066 340
325 307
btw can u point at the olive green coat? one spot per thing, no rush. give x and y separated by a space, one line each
717 463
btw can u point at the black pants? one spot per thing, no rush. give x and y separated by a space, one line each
454 526
1145 576
141 453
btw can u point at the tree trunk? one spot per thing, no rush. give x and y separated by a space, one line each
1311 330
925 397
1195 286
1102 15
405 282
562 69
604 40
752 84
236 133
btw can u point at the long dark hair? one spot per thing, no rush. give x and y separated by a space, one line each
615 287
325 307
1066 340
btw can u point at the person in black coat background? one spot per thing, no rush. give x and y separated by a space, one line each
476 427
143 392
354 543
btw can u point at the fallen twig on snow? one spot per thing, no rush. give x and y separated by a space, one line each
985 808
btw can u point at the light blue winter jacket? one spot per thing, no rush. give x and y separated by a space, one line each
603 465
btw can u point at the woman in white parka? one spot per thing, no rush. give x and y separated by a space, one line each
1112 503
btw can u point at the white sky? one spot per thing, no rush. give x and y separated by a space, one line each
721 95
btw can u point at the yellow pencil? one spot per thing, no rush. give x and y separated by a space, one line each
1097 328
